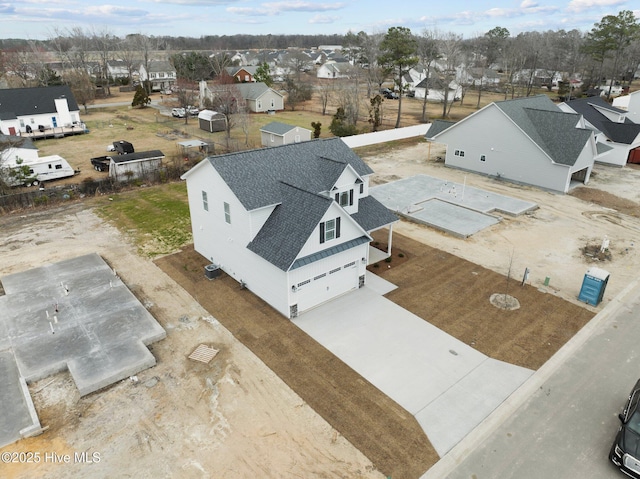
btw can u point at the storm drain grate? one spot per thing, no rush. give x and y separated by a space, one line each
204 353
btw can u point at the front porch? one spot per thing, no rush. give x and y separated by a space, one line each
376 254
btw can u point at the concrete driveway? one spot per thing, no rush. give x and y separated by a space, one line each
563 420
447 385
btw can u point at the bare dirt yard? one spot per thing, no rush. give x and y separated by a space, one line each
231 418
275 404
550 240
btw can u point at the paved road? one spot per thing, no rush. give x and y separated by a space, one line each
561 423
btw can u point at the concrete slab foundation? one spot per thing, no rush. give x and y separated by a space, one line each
75 315
456 208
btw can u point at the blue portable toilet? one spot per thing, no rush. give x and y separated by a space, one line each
593 286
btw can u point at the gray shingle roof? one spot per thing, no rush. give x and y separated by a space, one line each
10 141
252 91
277 128
254 176
289 226
32 101
624 133
553 130
372 214
438 126
138 155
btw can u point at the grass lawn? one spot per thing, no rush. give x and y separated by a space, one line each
156 219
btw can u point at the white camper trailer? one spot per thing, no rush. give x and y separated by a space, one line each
45 168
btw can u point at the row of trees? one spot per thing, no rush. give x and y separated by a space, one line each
608 54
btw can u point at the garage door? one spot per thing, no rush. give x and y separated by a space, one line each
326 286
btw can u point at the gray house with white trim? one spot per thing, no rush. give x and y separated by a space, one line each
260 98
276 134
526 140
292 223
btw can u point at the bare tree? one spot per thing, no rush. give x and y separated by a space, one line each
228 101
105 45
450 45
326 91
428 53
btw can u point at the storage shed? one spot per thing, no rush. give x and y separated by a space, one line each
135 165
212 121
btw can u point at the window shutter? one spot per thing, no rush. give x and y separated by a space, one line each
322 232
337 197
338 227
350 197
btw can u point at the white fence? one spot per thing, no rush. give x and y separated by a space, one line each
365 139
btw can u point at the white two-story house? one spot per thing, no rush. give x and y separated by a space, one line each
292 223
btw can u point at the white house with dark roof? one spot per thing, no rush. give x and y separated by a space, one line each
276 134
26 110
526 140
159 73
291 223
617 137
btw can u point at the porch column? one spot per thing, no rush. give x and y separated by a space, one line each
389 240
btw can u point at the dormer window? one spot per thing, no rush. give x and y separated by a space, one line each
345 198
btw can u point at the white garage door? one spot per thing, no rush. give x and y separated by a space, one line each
326 286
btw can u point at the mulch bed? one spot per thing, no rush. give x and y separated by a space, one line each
451 293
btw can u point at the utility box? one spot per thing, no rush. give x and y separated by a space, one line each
211 271
593 286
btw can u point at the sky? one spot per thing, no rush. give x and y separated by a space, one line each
41 19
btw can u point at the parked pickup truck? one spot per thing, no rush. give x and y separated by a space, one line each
101 163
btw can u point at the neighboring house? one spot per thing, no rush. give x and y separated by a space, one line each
526 140
291 223
260 98
161 75
477 76
243 74
434 87
117 69
630 103
14 148
212 121
334 69
276 134
617 138
25 110
135 165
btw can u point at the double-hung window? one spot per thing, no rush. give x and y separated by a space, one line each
330 230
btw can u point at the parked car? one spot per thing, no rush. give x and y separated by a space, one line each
178 112
625 452
123 147
192 110
389 94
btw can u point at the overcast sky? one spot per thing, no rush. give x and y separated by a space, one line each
37 19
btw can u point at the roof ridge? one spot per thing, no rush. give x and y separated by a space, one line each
299 188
